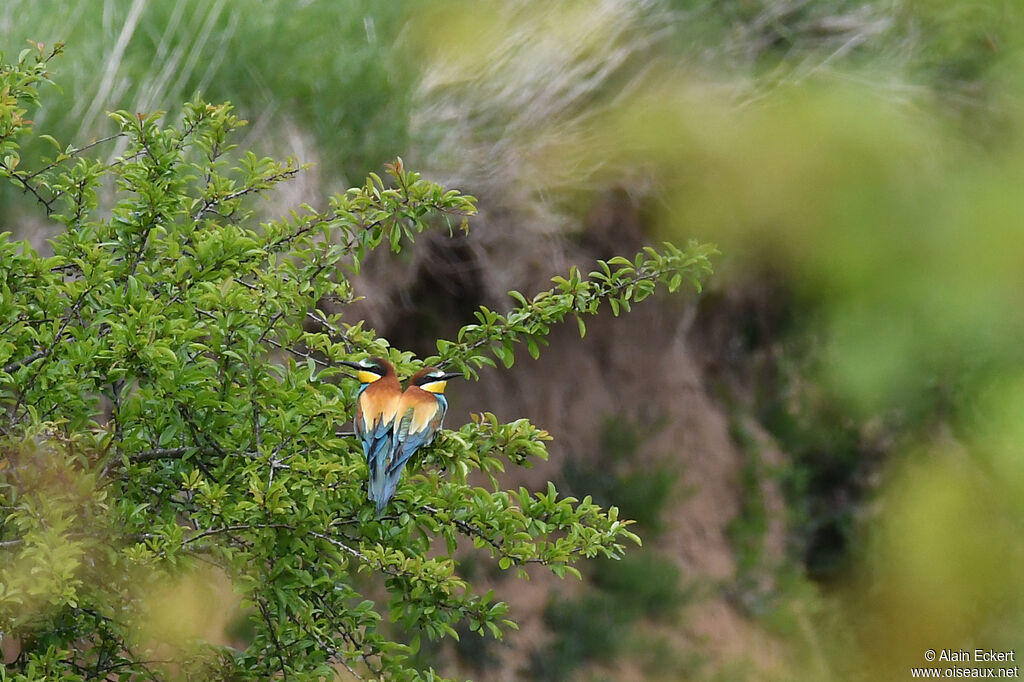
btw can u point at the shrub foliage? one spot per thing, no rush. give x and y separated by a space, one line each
173 415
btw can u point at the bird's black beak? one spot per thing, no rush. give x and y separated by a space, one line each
451 375
356 367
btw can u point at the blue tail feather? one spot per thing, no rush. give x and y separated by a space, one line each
377 454
376 491
388 487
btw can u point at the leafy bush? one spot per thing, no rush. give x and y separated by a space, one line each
174 467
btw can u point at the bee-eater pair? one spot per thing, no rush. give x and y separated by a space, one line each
394 424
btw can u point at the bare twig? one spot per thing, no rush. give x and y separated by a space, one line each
213 202
73 153
10 367
23 181
273 635
161 453
231 529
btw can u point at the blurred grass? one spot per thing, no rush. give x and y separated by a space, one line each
336 70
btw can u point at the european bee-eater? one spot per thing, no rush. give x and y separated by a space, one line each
418 419
376 407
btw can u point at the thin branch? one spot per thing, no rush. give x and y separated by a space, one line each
10 367
73 153
285 526
310 314
472 531
270 325
138 255
160 453
213 202
348 550
278 345
12 174
230 529
264 611
601 292
332 650
197 432
49 350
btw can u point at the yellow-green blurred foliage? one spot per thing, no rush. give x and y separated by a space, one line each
181 612
891 196
945 568
48 497
65 554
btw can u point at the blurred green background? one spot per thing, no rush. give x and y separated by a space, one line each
860 165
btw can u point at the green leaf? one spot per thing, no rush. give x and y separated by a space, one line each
51 140
532 347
